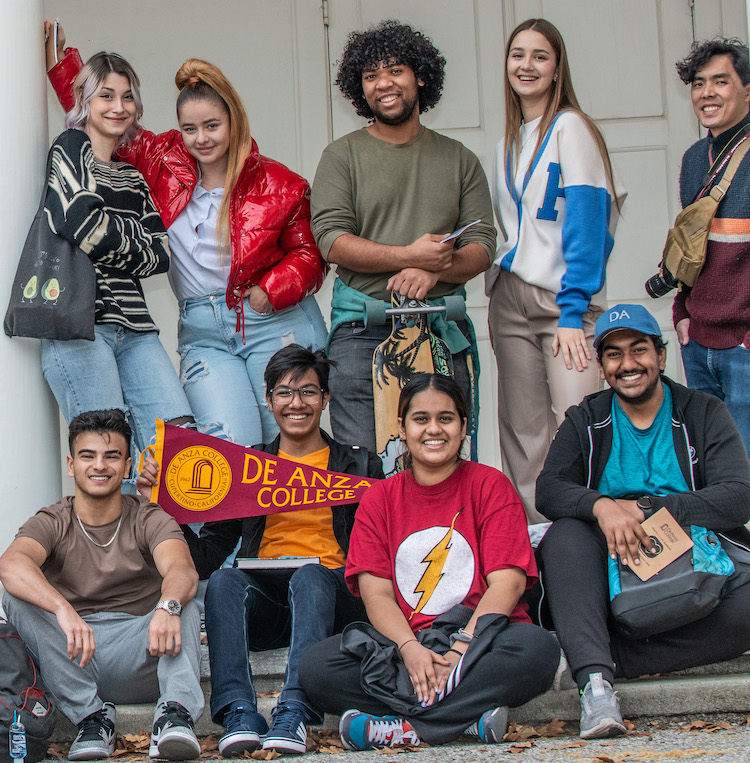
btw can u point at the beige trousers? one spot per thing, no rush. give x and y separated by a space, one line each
534 388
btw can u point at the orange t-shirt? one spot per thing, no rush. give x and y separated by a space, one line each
303 533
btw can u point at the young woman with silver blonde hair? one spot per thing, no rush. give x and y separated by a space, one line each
105 208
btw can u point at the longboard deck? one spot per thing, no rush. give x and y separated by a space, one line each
409 350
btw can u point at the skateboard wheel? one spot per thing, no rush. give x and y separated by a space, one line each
455 307
375 314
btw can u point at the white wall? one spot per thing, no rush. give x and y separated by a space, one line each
29 456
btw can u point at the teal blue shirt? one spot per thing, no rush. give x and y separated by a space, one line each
642 461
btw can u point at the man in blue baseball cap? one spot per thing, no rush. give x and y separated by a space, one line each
645 443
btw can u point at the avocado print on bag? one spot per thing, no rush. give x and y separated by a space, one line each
54 291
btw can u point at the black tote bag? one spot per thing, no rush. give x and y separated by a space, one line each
54 292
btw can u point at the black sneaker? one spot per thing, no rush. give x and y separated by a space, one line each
96 735
173 737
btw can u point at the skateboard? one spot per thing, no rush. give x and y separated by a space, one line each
410 349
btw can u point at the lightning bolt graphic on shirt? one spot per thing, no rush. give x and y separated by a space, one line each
435 558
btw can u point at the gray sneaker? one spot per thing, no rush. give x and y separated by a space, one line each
96 735
491 727
600 710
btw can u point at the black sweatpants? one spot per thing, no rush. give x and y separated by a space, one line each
573 556
519 665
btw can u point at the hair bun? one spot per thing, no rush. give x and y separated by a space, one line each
192 72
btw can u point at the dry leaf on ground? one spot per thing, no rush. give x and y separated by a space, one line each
265 754
518 733
708 726
554 728
520 746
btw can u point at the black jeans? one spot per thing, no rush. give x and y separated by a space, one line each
573 558
519 665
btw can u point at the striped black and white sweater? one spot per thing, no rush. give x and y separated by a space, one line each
105 208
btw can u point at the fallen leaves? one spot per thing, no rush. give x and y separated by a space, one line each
55 751
577 743
520 746
265 755
519 733
325 741
707 726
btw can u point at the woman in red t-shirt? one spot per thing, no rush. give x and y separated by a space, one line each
440 555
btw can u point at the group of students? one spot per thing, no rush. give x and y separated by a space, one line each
244 263
244 267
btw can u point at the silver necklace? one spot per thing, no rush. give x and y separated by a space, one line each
101 545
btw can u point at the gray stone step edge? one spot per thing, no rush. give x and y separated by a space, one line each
719 688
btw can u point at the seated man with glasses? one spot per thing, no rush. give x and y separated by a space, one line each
258 611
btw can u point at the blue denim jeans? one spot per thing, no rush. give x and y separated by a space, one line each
222 377
246 612
725 374
122 369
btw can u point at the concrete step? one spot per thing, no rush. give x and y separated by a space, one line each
723 687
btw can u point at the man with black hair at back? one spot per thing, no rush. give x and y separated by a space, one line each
713 317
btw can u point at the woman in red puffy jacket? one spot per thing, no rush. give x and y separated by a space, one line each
244 264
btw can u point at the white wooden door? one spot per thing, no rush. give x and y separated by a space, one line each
622 55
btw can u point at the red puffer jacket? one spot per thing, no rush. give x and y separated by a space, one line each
269 217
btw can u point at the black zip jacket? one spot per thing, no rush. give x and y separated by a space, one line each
708 447
218 539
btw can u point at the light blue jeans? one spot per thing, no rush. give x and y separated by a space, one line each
124 369
222 377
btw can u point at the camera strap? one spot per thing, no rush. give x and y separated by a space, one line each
721 161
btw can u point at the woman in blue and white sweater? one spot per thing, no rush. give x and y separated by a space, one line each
557 202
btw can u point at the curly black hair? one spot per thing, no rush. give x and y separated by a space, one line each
390 41
702 52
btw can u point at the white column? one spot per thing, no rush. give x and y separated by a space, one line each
29 433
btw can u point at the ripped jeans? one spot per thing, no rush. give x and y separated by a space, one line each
124 369
222 378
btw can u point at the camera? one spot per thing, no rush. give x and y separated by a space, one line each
661 283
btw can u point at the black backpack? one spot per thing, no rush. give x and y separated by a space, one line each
21 690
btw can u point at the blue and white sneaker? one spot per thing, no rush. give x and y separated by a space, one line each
491 727
173 737
244 729
362 731
288 732
96 735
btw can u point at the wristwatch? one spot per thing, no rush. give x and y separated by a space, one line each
645 505
170 605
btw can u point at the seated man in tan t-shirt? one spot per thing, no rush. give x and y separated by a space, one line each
250 611
100 588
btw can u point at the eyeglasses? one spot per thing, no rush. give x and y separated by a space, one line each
308 394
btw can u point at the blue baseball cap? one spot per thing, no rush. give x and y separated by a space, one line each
634 317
